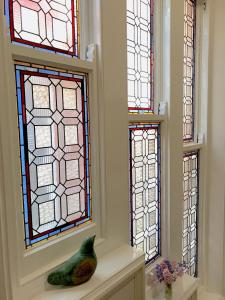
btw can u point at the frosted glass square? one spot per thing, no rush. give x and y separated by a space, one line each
71 135
41 96
69 98
72 169
73 202
46 212
43 136
44 173
139 224
29 20
59 30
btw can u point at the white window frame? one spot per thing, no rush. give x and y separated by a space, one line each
25 267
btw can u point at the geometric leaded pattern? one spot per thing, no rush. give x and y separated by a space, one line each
140 55
189 69
53 125
48 24
190 216
145 189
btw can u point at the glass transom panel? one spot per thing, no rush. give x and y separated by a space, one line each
48 24
54 150
145 189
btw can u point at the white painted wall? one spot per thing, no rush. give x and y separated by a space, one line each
216 149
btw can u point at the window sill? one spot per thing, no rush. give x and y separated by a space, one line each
112 269
183 289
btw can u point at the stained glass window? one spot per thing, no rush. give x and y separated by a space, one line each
48 24
140 55
190 216
53 126
145 188
189 69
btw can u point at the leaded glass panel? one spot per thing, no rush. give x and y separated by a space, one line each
48 24
190 216
53 125
145 188
189 69
140 55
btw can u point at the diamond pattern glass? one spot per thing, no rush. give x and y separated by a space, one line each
189 69
48 24
140 55
190 216
145 188
54 150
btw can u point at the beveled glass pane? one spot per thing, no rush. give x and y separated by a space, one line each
145 188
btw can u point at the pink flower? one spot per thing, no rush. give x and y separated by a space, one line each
168 277
163 265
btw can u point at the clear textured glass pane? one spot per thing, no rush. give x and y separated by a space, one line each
140 55
44 175
145 188
190 216
69 98
71 135
48 24
54 150
189 69
41 96
43 136
46 211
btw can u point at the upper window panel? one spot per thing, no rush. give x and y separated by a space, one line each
48 24
189 69
140 55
